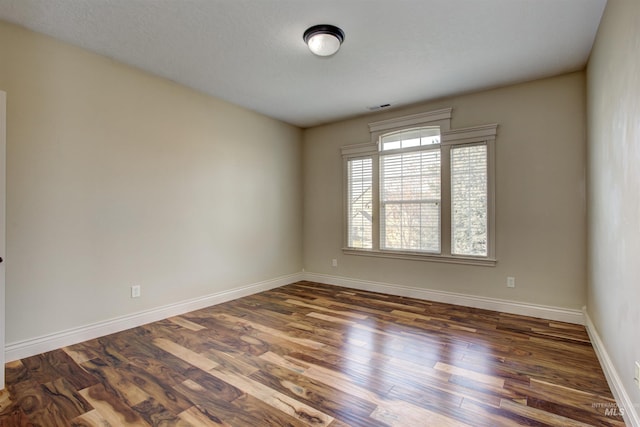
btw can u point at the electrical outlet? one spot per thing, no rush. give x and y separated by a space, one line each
637 374
511 282
135 291
334 262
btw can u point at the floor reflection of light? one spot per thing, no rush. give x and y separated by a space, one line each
372 353
428 365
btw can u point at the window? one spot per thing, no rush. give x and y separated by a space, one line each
469 197
420 190
360 203
410 191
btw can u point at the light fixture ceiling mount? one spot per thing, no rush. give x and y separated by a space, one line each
323 40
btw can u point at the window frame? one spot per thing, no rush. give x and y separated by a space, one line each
449 138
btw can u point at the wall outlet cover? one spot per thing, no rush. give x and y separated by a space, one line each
135 291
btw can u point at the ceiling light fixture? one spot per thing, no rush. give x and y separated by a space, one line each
323 40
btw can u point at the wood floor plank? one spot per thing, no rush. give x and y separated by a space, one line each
114 410
309 354
37 405
49 366
92 418
155 414
194 417
117 381
189 356
181 321
325 309
454 370
66 398
80 353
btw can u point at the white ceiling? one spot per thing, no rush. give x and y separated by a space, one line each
251 53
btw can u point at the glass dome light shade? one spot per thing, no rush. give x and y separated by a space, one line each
324 40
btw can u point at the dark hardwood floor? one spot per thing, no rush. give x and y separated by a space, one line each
312 354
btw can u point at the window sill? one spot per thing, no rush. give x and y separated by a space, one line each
485 262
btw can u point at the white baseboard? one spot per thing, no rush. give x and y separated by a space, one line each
505 306
31 347
631 416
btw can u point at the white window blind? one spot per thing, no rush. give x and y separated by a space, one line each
360 203
410 200
469 200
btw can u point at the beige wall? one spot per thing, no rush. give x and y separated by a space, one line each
614 187
116 177
540 197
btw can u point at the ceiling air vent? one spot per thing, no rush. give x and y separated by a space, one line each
378 107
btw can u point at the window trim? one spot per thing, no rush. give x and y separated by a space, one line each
482 134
